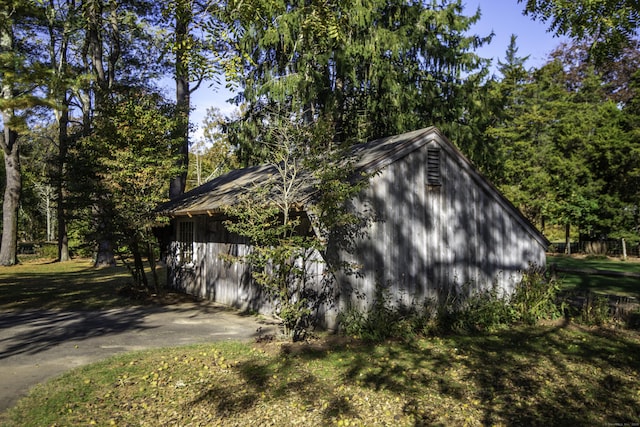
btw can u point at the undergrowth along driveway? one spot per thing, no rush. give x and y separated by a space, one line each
545 375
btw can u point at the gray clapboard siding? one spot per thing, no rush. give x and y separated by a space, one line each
216 277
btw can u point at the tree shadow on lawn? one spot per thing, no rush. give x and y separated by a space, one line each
77 285
560 375
556 376
622 286
73 287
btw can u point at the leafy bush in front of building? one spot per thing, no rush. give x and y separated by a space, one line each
387 319
535 298
463 311
290 215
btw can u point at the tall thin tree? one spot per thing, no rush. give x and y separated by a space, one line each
9 142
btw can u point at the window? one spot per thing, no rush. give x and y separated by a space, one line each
185 242
433 167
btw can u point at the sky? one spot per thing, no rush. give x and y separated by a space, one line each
503 17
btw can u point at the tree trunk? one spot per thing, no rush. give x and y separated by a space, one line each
59 69
105 256
94 41
183 19
140 276
567 238
152 263
63 146
11 148
8 250
63 239
103 73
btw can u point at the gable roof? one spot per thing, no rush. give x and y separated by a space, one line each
213 196
226 190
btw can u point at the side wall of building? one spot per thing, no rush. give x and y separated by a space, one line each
217 274
214 272
427 241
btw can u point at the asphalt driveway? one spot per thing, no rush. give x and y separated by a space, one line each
36 345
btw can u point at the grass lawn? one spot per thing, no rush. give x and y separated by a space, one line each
623 286
545 375
75 284
554 374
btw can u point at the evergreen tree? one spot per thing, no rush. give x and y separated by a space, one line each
372 68
565 147
20 77
505 96
627 175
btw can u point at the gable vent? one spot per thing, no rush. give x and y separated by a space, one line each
433 167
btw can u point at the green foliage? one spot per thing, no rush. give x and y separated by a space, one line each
464 311
386 319
48 250
468 310
280 250
483 311
564 145
590 309
535 298
609 25
129 159
290 217
371 68
486 311
595 310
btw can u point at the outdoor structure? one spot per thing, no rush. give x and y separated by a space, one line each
436 226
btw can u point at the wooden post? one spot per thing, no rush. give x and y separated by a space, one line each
624 250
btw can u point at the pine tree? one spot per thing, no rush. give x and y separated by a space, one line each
19 75
372 68
564 146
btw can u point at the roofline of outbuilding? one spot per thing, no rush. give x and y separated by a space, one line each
415 140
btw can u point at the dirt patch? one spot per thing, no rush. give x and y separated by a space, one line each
314 345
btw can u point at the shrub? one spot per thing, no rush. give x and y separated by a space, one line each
485 310
48 250
595 311
535 298
590 309
386 319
